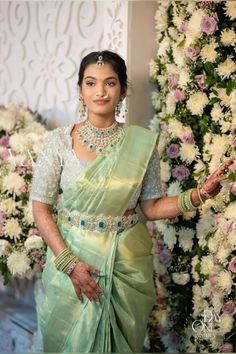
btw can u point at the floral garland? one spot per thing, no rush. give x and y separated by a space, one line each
22 250
195 102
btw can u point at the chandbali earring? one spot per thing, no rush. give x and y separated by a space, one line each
121 110
81 108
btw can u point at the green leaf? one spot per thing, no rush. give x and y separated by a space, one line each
213 100
229 87
209 67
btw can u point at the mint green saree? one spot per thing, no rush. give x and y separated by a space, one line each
118 323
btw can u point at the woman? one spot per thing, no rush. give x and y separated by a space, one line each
98 277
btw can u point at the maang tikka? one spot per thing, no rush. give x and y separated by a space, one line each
100 61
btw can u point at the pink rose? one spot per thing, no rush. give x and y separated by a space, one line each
232 265
226 348
173 151
187 137
173 80
179 95
200 80
208 25
164 256
5 154
233 188
228 307
192 53
2 216
180 172
213 278
4 141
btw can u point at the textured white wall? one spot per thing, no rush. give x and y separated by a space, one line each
42 43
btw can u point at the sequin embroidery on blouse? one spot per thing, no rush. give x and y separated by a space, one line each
57 166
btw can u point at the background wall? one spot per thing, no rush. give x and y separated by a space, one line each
42 43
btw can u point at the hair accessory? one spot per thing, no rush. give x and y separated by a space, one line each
100 61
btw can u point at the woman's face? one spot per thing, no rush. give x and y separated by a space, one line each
100 89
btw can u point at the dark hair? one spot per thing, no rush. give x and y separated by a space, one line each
117 63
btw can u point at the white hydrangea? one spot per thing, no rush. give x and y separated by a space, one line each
186 238
181 278
34 242
197 102
18 263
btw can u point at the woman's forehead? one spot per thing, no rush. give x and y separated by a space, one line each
100 72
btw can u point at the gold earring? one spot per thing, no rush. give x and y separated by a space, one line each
121 110
81 107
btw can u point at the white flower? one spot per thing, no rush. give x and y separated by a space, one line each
207 264
18 263
184 77
163 46
163 142
197 102
189 215
174 188
165 171
170 104
161 79
13 183
175 128
173 33
161 20
217 300
34 242
28 213
225 281
233 101
199 166
226 322
188 152
226 68
232 239
186 238
180 278
195 261
153 69
198 302
159 267
162 225
216 113
12 229
194 24
8 206
228 37
208 52
7 121
5 248
230 211
230 9
223 252
156 100
161 316
218 146
204 226
223 96
170 237
178 55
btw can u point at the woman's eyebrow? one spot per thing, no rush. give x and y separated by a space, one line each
94 78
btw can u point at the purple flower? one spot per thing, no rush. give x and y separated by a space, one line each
173 80
192 53
179 95
232 265
233 188
187 137
181 172
200 80
173 151
226 348
4 141
157 245
164 256
174 340
208 25
2 216
228 307
5 154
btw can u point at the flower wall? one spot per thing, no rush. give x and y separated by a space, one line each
22 250
195 102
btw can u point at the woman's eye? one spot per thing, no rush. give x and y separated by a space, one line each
90 83
111 83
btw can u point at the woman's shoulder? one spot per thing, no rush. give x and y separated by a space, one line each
59 135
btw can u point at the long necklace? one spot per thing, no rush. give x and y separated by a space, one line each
99 139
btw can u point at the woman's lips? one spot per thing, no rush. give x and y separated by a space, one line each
100 102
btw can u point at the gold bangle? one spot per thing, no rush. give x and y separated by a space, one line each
199 194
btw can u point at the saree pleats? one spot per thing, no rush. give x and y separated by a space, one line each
118 322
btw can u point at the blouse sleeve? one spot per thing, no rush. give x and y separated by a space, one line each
46 179
151 185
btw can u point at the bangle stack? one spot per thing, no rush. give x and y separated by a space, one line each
66 261
199 194
185 202
204 193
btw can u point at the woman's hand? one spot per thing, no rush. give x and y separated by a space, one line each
212 185
83 282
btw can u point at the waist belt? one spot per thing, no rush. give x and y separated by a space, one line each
97 222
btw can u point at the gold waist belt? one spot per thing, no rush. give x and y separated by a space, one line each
98 222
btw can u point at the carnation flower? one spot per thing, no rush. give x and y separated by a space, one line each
181 278
188 152
12 229
228 37
230 9
180 172
208 25
226 68
18 263
197 102
34 242
225 281
5 248
208 52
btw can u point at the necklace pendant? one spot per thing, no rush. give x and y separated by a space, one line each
90 147
100 150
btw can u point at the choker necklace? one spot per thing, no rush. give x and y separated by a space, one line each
99 139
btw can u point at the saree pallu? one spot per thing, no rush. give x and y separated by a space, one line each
118 323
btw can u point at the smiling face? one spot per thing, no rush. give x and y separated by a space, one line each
100 90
